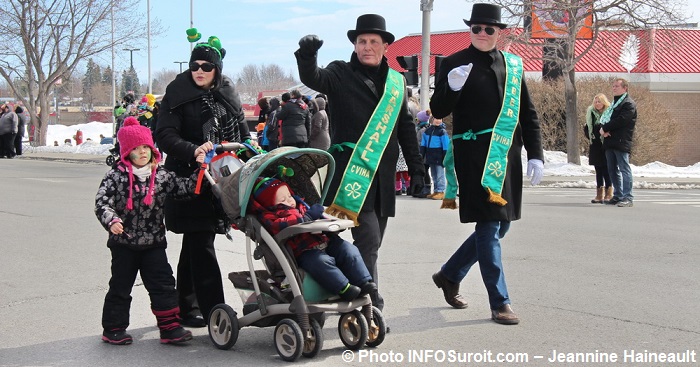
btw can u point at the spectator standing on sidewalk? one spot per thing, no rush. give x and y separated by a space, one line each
617 129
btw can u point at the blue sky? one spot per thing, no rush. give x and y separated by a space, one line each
267 31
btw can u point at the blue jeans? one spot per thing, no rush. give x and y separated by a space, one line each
483 246
336 266
620 173
438 173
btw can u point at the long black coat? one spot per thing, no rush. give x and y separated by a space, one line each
354 96
476 107
596 154
621 125
178 134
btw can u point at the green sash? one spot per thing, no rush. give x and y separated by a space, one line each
358 175
497 161
501 139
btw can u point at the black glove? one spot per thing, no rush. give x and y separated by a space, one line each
308 45
315 212
417 184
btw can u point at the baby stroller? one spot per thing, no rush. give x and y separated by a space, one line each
113 156
281 295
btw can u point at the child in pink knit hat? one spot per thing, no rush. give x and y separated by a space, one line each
129 205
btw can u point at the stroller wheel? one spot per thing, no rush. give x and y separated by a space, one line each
289 340
109 160
313 342
353 329
223 326
377 328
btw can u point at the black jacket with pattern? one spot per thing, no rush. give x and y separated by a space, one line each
143 226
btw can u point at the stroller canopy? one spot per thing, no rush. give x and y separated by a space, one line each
312 173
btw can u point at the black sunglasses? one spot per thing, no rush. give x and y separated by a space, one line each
207 66
476 29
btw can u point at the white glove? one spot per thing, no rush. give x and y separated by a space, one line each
457 76
535 170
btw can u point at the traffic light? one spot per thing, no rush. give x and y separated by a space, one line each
438 63
410 63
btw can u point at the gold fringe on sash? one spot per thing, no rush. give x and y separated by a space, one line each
449 204
342 213
496 198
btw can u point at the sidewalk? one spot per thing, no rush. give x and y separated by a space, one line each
693 182
64 157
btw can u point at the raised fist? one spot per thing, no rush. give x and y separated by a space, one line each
309 44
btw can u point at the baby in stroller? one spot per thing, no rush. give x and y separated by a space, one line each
334 263
287 236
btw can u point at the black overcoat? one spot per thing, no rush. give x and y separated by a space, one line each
178 134
353 96
476 106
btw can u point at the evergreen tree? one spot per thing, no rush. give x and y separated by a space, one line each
130 82
91 80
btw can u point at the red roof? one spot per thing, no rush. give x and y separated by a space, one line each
660 50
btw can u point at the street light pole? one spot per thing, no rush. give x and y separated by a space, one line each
426 6
148 12
180 62
131 54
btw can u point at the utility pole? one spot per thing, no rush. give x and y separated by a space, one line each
180 62
426 6
131 54
148 13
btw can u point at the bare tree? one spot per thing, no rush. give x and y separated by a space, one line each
253 79
161 79
621 14
55 36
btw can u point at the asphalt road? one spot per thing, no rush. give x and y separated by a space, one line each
607 281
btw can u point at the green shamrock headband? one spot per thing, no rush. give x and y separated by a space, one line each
213 41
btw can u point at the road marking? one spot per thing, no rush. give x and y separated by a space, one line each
52 180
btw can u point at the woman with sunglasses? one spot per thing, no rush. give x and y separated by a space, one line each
493 118
200 105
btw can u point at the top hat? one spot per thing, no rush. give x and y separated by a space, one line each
486 14
371 23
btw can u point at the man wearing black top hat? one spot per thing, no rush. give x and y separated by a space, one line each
493 117
364 143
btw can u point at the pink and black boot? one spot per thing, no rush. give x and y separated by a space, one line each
170 330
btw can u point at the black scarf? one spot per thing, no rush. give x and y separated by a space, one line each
220 125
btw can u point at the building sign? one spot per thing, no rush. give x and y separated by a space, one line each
551 18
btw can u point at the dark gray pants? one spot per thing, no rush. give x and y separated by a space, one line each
368 238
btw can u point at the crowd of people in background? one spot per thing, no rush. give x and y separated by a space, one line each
13 122
293 119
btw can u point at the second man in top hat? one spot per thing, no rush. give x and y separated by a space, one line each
493 117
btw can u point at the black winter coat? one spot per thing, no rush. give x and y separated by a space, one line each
295 122
621 126
354 95
179 133
476 106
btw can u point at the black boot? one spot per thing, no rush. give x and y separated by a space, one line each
350 293
169 324
117 337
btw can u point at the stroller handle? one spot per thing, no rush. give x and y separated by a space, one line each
229 147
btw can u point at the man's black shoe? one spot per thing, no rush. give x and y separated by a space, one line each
193 321
613 201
